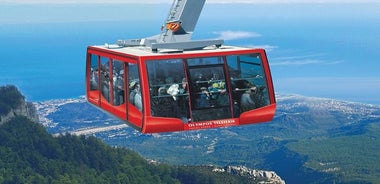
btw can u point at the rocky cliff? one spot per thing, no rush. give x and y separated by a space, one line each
13 103
264 177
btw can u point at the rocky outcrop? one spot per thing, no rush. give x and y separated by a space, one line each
26 109
261 176
19 106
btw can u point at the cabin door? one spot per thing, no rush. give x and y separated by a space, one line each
210 97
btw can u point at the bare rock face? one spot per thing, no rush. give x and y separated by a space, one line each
261 176
17 106
27 109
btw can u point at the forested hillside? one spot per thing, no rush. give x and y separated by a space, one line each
311 140
29 154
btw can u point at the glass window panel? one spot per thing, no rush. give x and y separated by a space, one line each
208 87
205 61
210 98
248 82
94 76
134 86
105 78
168 88
118 82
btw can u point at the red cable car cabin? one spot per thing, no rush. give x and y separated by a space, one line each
165 92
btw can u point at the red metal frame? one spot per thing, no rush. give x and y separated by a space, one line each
145 122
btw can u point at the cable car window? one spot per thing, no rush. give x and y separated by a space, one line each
118 82
248 83
105 78
209 95
205 61
168 88
134 87
94 76
209 85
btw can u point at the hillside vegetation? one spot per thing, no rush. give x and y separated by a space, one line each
311 140
28 154
354 157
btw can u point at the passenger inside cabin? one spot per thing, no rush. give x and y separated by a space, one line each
252 98
94 80
246 101
132 91
138 99
217 90
119 88
173 91
135 94
200 81
173 103
204 98
105 80
243 95
183 100
183 88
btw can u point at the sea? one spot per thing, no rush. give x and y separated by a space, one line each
324 50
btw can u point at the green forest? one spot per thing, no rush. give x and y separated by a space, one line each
28 154
352 157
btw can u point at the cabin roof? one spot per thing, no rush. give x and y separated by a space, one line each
147 51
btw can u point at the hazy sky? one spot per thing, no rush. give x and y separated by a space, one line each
169 1
326 50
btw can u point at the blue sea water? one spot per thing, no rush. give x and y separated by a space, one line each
325 50
42 60
47 61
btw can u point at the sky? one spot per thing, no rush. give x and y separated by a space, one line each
169 1
298 64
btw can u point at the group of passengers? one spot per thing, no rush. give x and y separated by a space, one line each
213 93
103 74
170 98
210 92
246 95
117 79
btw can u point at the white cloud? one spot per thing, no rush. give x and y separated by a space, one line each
236 35
299 57
302 60
268 48
305 62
